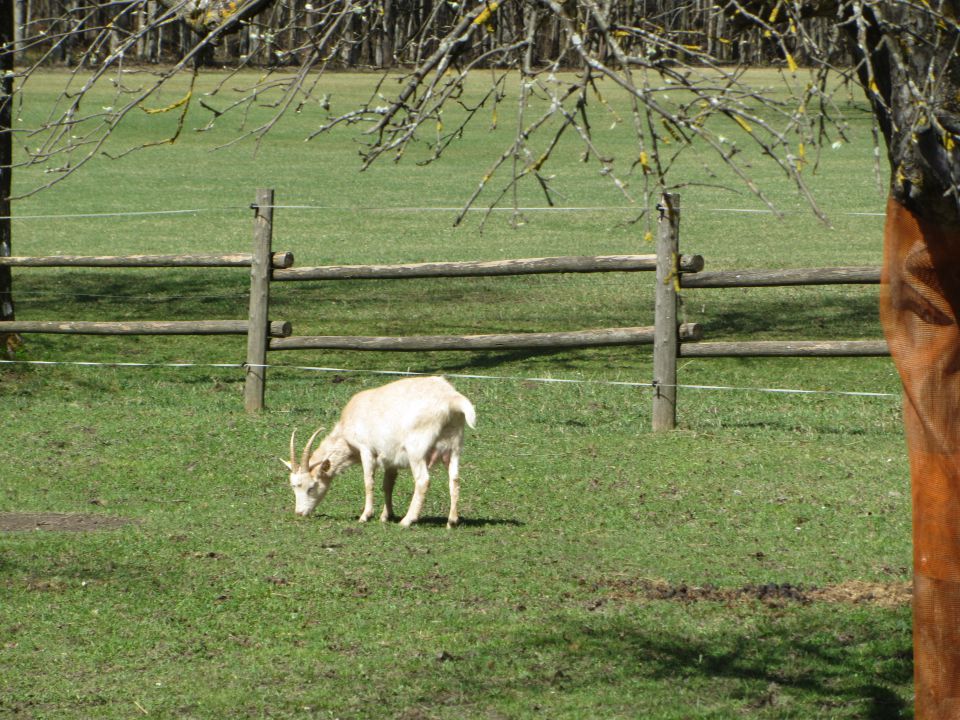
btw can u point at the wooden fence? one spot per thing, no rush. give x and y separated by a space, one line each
665 334
785 278
671 339
258 328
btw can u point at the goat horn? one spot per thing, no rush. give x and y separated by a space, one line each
304 462
293 452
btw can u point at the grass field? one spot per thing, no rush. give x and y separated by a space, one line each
754 563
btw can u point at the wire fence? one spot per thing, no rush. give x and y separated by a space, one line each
462 376
412 209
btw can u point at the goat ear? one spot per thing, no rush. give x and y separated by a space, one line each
288 464
324 466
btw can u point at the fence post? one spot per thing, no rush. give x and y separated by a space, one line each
260 270
666 339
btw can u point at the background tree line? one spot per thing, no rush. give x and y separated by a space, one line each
395 33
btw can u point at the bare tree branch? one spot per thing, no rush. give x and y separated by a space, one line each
678 64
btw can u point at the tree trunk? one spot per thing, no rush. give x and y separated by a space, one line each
19 17
920 299
6 160
920 309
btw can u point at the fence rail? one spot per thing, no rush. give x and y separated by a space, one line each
278 260
492 268
787 348
605 337
277 328
782 278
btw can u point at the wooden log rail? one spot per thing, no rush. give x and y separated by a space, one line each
517 341
276 328
487 268
279 260
787 348
782 278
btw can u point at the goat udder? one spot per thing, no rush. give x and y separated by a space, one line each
436 454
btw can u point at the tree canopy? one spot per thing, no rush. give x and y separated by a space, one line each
901 53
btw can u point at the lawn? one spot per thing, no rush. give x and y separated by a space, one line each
753 563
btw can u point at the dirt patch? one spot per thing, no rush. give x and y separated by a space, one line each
886 595
61 522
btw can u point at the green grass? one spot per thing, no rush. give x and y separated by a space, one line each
218 602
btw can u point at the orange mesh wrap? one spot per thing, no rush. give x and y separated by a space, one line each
920 298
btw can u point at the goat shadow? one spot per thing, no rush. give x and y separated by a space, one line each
470 522
432 520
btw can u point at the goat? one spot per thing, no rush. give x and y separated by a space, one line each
412 422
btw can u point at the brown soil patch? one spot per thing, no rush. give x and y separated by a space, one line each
889 595
886 595
60 522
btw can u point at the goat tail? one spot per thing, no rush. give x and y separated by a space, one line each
464 406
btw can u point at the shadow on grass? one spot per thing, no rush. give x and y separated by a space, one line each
802 662
351 522
470 522
818 314
144 294
490 360
790 426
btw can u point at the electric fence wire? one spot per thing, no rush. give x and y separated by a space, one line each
406 209
462 376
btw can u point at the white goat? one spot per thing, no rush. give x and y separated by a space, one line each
411 422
